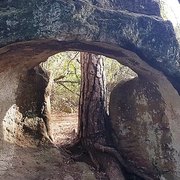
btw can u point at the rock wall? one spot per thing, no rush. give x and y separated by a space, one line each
8 87
135 6
139 34
144 114
141 30
26 121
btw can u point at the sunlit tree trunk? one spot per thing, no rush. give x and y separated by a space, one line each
92 110
94 131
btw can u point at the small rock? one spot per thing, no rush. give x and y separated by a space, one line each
68 177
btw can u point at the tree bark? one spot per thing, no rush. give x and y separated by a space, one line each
92 112
94 124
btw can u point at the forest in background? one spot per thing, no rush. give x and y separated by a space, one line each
65 67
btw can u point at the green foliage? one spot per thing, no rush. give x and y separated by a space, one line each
116 72
66 71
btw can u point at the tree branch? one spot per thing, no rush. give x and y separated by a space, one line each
68 89
71 60
73 82
60 77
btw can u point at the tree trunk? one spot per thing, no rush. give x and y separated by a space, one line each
94 130
92 112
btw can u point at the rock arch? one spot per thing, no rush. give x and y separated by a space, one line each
137 37
141 31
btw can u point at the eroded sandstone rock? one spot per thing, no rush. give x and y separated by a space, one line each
26 123
136 26
143 117
132 32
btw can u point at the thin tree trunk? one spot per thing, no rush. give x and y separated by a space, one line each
93 119
92 112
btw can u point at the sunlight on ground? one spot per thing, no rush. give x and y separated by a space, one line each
64 128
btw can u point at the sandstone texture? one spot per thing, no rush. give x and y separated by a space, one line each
143 116
130 27
144 35
42 164
26 123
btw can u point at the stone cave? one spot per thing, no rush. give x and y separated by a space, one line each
144 112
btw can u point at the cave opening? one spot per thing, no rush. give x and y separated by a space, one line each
64 76
24 75
29 97
144 112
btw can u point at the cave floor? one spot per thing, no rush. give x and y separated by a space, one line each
50 163
64 128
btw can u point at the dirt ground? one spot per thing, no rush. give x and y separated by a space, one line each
64 128
50 163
